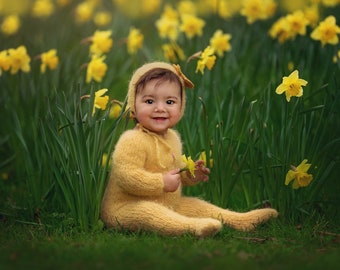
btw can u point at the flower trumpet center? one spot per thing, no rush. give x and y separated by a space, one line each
304 179
294 89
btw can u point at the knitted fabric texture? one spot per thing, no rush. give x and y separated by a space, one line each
134 197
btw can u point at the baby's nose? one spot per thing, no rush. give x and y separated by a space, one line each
159 107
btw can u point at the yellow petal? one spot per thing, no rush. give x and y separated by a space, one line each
100 92
184 159
191 166
296 184
289 176
281 89
294 75
288 96
304 166
303 82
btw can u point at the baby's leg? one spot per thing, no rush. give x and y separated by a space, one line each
155 217
195 207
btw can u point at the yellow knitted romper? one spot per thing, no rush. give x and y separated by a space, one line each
134 198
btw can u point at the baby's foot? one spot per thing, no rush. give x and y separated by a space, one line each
207 227
249 220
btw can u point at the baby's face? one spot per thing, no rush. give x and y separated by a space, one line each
158 106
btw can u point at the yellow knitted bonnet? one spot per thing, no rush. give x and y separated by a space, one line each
146 68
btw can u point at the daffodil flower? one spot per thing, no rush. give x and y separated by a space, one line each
19 59
172 52
49 59
168 24
220 42
299 175
327 31
189 165
42 8
115 110
100 101
291 86
207 59
192 25
10 25
5 61
255 10
102 18
134 40
84 11
101 42
96 69
203 156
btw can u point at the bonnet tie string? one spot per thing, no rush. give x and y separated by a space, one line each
157 140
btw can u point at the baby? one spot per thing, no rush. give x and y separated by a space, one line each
144 190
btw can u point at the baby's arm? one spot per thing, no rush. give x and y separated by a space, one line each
171 180
129 168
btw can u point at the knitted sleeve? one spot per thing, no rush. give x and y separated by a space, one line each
129 167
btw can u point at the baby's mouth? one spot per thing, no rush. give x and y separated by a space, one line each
159 118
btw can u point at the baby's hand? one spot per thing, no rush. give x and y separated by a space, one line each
171 180
201 172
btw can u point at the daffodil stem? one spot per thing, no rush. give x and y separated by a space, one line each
183 169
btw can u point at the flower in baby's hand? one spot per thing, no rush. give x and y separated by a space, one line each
189 165
299 175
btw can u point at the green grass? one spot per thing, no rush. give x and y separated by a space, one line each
312 245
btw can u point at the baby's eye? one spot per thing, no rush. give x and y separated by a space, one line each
170 102
149 101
